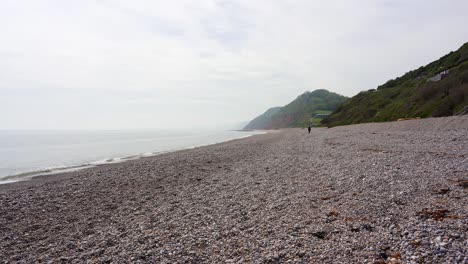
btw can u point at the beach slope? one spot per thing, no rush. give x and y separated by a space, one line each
375 193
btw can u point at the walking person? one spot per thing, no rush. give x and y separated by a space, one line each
309 128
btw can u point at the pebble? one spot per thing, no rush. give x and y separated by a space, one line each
260 199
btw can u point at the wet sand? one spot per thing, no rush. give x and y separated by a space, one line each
371 193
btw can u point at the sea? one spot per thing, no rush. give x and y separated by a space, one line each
25 154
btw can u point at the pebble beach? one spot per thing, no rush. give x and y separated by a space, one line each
372 193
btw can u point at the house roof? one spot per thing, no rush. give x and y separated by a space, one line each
320 115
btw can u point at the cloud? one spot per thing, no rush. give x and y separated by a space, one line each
219 61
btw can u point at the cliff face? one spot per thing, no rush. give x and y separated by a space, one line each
298 112
264 120
437 89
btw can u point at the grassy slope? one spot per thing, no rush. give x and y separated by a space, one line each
411 95
298 112
262 120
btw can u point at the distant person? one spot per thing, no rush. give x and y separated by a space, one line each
309 128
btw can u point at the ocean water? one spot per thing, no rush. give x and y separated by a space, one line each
24 154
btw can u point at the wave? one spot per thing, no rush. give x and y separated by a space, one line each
46 171
111 160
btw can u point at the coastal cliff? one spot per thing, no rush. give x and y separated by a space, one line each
437 89
299 112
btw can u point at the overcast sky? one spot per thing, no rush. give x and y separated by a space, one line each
170 64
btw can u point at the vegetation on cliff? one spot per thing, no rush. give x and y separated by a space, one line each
299 112
437 89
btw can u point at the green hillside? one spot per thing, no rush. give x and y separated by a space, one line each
412 95
263 120
299 112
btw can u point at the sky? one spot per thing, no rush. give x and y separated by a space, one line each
178 64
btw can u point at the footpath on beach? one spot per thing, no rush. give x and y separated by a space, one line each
372 193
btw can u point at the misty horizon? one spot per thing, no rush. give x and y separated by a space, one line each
124 65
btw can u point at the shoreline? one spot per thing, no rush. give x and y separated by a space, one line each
382 192
56 171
